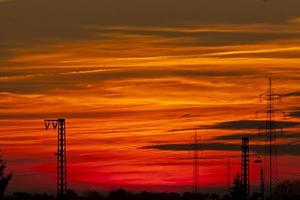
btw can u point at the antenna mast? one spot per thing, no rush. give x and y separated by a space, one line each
245 167
196 164
261 179
228 174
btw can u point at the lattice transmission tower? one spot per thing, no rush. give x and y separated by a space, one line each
261 177
271 131
196 164
61 154
245 168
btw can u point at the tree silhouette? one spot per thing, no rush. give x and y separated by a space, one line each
174 196
4 179
93 195
120 194
287 190
255 196
237 190
214 197
71 195
226 197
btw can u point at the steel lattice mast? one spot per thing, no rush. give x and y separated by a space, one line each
61 154
196 164
271 130
261 178
228 174
245 167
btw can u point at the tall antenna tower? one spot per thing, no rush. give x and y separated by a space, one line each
245 167
196 164
228 174
271 131
61 154
261 179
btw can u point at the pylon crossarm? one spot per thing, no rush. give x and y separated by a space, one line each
53 122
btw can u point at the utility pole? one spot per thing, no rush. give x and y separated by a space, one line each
262 182
61 154
271 130
196 164
228 174
245 167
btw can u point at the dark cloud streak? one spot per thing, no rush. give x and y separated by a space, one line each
256 136
251 124
49 80
283 149
30 23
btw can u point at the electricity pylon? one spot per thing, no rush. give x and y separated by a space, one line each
228 174
245 167
261 178
61 154
196 164
271 130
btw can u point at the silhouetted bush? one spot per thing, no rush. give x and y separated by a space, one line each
4 179
226 197
237 190
214 197
174 196
255 196
93 195
120 195
287 190
187 196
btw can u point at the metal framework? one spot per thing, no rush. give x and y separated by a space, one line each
228 174
196 164
245 167
271 130
262 182
61 154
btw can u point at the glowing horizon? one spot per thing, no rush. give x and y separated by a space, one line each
130 83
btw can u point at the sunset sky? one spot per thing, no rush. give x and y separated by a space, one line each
133 78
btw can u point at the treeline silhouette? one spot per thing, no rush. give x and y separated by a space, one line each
120 194
4 178
286 190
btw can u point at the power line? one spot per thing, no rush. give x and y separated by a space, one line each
261 179
228 174
196 164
